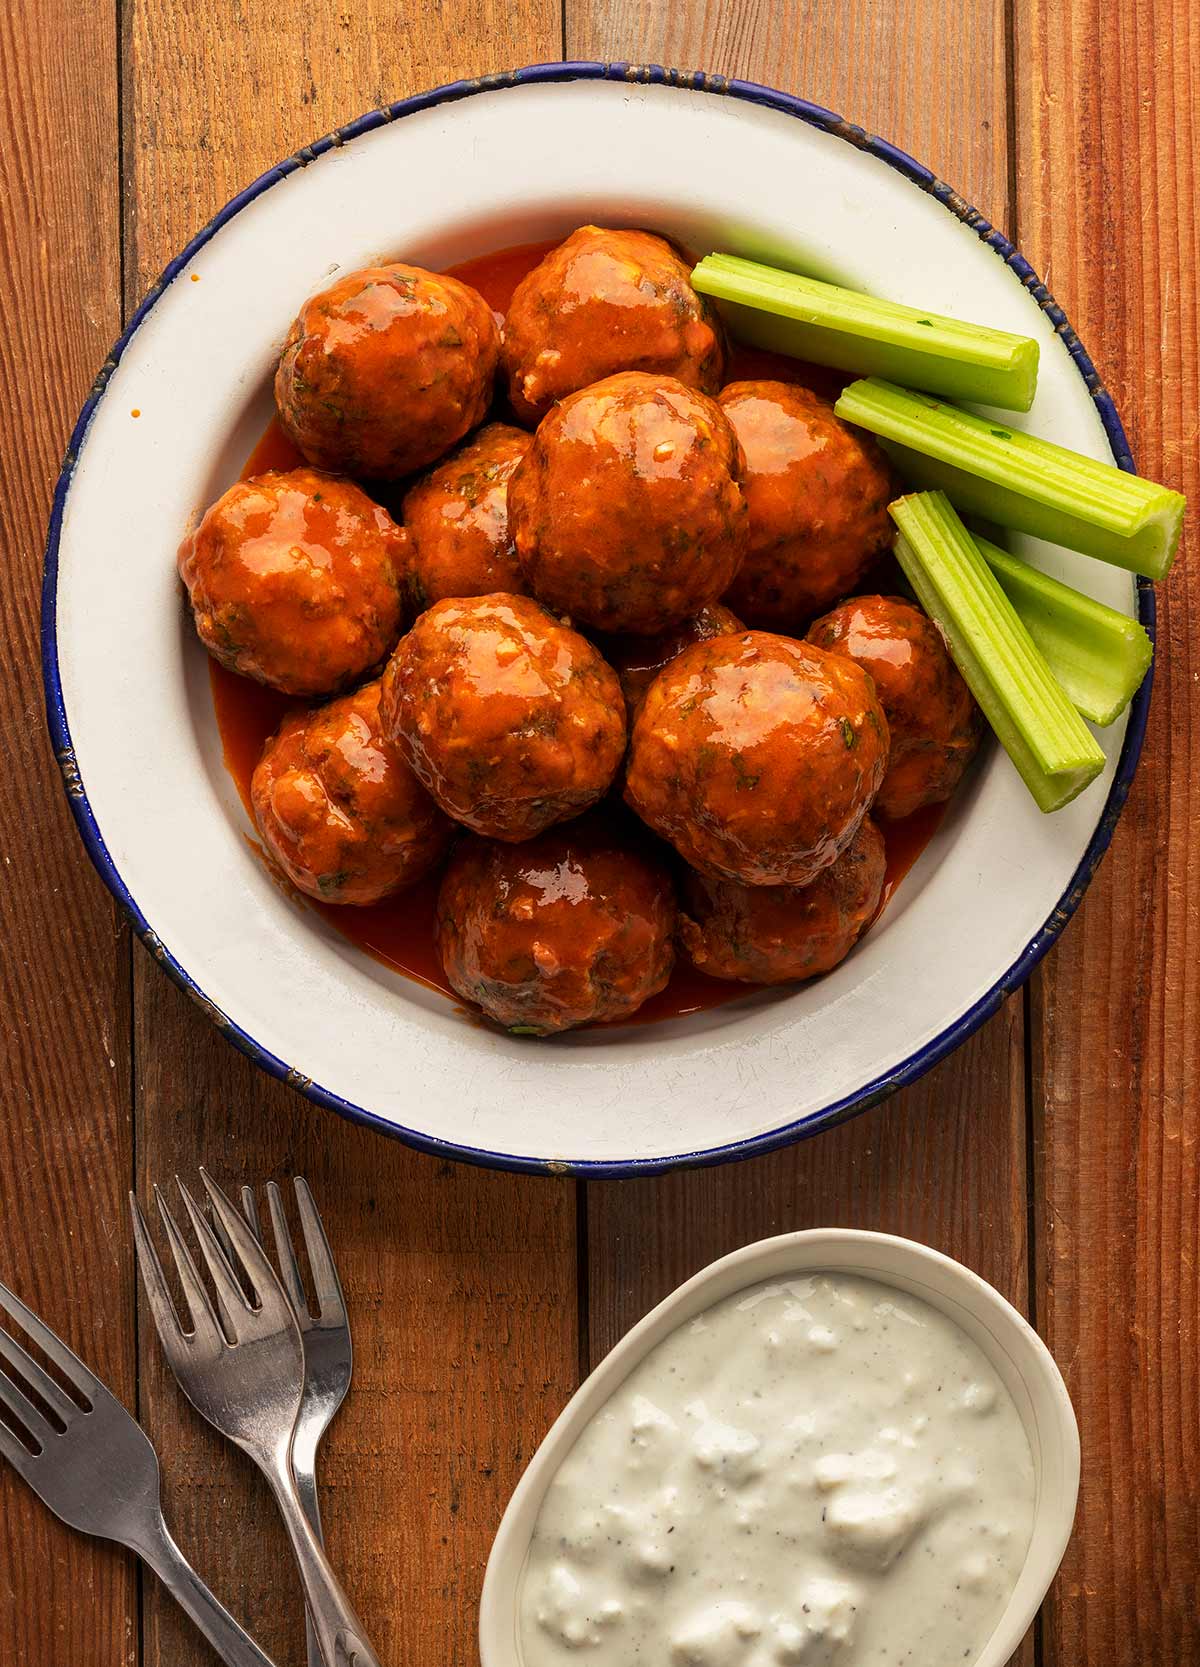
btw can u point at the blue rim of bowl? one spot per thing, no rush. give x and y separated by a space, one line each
880 1087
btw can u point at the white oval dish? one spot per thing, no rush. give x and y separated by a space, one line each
1014 1350
715 165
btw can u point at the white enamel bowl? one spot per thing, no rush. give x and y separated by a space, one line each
452 174
1015 1351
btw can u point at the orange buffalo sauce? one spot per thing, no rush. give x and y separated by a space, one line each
903 843
273 451
495 276
399 931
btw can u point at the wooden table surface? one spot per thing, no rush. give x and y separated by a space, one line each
1056 1153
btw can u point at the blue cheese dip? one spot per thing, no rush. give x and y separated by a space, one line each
819 1472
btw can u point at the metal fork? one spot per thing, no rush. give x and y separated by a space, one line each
248 1386
99 1473
328 1356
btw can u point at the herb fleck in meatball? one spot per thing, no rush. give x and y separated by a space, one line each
933 719
344 818
626 510
385 370
605 301
637 661
457 518
571 928
296 579
511 720
818 493
758 757
777 934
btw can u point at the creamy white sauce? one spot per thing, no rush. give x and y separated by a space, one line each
820 1472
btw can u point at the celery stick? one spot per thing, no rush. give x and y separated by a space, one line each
829 325
1020 481
1055 752
1098 654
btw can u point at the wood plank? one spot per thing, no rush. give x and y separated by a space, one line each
945 1161
927 74
1107 197
461 1284
65 1131
941 1162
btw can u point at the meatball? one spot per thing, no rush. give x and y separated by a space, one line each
637 661
511 720
626 510
341 814
571 928
605 301
758 757
385 370
934 721
296 579
457 518
777 934
817 492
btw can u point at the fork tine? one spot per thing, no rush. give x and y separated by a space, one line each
204 1322
231 1299
24 1365
263 1279
285 1253
250 1211
223 1239
16 1452
230 1257
22 1408
154 1283
76 1373
326 1284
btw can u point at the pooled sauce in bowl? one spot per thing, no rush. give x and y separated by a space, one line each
817 1472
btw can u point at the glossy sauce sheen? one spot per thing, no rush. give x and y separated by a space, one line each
816 1472
399 932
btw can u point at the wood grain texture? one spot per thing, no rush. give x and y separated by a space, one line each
945 1161
220 91
65 1156
1107 210
461 1284
927 74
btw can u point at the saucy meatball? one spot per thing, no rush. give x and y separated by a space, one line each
637 661
385 370
757 757
296 579
777 934
626 510
934 721
605 301
511 720
817 492
457 518
571 928
341 814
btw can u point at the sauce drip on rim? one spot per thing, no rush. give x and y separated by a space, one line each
399 931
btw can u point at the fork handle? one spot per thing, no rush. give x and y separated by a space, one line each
339 1632
304 1470
231 1642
